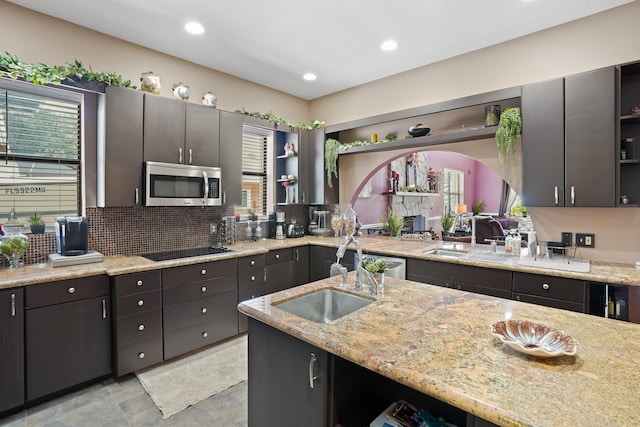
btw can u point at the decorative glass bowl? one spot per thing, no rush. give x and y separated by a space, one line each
535 339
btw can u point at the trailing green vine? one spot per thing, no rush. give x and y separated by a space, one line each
39 74
332 147
280 121
509 128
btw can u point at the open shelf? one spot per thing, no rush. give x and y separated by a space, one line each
422 141
410 194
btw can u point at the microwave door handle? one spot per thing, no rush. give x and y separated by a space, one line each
206 187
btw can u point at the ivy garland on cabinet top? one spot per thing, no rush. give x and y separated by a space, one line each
332 147
69 74
280 121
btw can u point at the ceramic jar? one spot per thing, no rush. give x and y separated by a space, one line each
150 82
180 91
209 100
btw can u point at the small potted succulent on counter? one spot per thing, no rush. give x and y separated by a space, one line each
36 223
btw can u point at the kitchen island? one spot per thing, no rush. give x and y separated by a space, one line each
438 342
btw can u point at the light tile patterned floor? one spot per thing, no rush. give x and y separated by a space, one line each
126 403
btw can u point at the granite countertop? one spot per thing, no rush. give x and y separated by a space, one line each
621 274
438 341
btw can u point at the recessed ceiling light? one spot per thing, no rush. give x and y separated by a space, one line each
194 28
389 45
309 77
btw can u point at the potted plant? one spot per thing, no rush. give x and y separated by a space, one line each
478 207
507 134
446 221
36 223
377 268
393 222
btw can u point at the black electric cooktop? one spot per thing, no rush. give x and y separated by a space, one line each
185 253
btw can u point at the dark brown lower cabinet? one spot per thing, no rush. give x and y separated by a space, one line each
550 291
199 305
68 334
137 326
300 265
288 380
279 265
11 348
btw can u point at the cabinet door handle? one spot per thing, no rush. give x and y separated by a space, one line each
573 195
190 156
141 355
204 335
139 283
141 327
253 262
203 272
277 256
265 275
104 308
180 155
297 255
140 303
71 290
204 310
224 197
203 289
545 286
137 196
253 278
13 305
303 198
555 194
312 363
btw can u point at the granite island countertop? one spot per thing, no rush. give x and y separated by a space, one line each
438 341
612 273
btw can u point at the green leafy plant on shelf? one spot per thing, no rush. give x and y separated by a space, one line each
509 129
40 74
392 222
519 210
35 219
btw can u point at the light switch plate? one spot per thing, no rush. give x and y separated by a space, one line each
586 240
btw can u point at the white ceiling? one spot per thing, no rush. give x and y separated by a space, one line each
274 42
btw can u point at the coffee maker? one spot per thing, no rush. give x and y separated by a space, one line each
281 226
71 235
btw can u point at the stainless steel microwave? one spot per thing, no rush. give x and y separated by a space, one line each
167 184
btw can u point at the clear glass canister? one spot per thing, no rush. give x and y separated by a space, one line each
13 243
337 222
349 219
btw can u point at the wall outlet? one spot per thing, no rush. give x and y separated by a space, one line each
585 240
567 238
212 228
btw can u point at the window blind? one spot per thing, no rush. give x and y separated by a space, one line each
254 173
40 152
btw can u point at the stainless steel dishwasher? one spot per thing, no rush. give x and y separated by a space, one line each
396 267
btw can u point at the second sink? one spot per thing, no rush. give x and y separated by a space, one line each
324 306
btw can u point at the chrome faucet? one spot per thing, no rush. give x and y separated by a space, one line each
360 270
459 217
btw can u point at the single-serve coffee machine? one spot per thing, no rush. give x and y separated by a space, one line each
281 226
71 235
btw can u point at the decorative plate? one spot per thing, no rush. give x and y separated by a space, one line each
535 339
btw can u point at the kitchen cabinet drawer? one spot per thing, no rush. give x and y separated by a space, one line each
177 276
199 290
550 302
207 310
278 256
62 291
138 355
137 303
559 288
279 276
129 284
139 327
251 262
251 278
433 272
251 291
184 340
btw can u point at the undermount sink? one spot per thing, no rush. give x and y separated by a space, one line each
324 306
444 253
